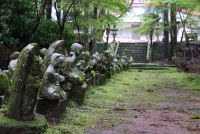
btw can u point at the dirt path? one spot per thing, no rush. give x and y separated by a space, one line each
139 102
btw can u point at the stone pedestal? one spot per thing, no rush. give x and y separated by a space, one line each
89 81
98 79
102 78
77 94
51 108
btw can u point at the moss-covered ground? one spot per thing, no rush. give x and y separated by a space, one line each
118 101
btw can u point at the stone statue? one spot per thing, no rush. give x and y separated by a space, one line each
14 55
51 87
25 83
56 47
43 52
12 64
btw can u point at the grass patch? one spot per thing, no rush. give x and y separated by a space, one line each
12 122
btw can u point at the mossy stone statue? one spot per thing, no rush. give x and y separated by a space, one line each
56 47
25 83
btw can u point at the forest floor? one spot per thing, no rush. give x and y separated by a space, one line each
137 101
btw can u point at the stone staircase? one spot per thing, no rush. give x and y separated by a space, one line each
150 66
136 50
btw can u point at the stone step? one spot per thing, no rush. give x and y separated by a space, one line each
139 57
151 65
136 48
133 51
123 48
137 51
136 55
140 61
152 68
133 46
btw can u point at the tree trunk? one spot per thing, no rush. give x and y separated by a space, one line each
61 24
173 32
151 45
76 24
39 16
107 36
94 41
61 30
49 6
166 33
86 36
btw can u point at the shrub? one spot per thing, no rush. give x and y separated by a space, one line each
46 33
69 36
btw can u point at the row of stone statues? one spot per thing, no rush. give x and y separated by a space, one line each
45 79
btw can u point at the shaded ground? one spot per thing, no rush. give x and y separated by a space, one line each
137 102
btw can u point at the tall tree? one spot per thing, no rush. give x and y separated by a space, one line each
94 41
49 9
166 31
65 7
85 28
38 18
173 31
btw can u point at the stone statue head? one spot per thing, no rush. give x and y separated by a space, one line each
77 48
58 61
85 56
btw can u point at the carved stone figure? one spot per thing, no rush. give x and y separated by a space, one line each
14 55
51 87
43 52
56 47
25 83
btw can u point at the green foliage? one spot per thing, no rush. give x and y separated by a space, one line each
150 21
69 35
16 20
12 122
46 33
192 36
195 117
104 16
4 84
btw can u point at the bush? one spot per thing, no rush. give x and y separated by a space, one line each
69 36
46 33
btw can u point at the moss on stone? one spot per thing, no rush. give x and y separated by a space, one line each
20 78
16 84
8 125
4 84
11 122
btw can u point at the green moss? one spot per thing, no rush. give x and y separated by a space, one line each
17 81
34 44
195 117
12 122
127 90
4 84
61 93
16 84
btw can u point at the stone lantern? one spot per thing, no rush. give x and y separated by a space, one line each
114 33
